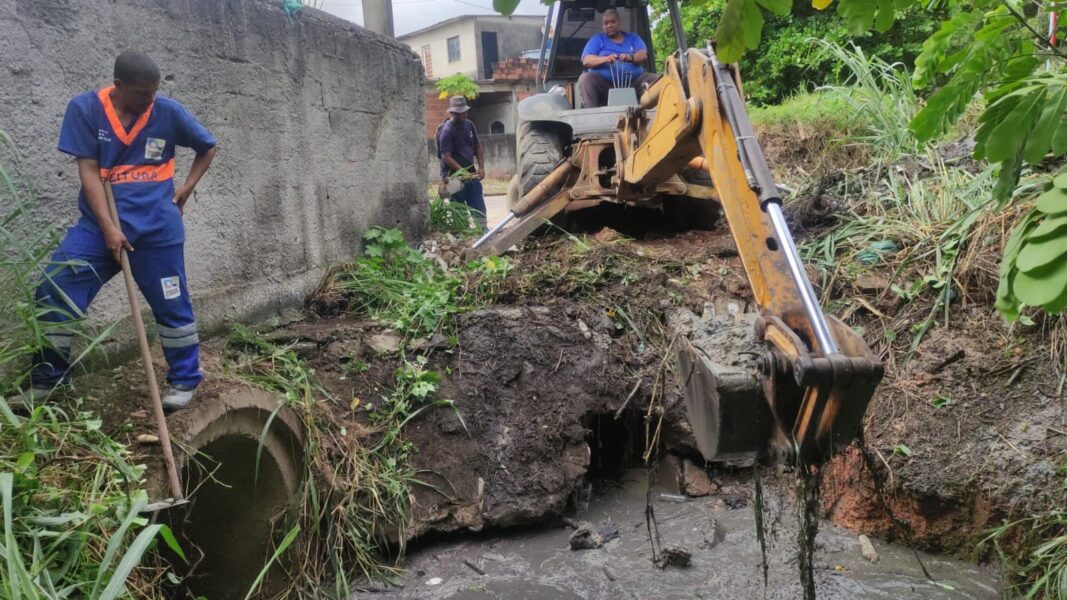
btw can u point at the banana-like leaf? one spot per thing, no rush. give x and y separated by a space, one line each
739 29
1052 202
1037 255
505 7
1040 141
1041 287
1051 226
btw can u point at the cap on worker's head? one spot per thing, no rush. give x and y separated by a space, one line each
458 104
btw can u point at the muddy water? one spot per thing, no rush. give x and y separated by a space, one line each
538 564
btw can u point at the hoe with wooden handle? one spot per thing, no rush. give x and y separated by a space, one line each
176 498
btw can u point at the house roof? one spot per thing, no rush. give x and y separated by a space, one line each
530 18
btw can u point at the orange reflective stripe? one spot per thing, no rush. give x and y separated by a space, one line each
139 173
116 125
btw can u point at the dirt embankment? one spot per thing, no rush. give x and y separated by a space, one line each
969 431
965 433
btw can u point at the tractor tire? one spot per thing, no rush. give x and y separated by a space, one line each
540 150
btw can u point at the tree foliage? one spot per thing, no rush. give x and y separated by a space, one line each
788 59
456 85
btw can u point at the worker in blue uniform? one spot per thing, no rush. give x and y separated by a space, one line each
127 135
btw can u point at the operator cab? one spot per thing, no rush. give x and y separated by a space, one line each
575 22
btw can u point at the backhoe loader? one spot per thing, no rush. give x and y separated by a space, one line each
688 139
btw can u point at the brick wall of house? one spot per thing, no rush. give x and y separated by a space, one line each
515 69
436 111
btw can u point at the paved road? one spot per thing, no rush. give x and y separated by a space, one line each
496 208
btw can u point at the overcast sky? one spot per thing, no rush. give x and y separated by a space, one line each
409 15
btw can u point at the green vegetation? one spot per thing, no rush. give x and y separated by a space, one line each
1034 552
923 219
1034 271
71 500
456 85
397 285
789 60
452 217
357 492
70 495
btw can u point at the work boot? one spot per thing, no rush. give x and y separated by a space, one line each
177 398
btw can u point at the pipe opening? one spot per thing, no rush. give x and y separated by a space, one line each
236 509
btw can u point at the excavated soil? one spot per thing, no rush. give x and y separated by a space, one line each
579 330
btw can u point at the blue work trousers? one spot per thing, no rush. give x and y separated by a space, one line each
80 266
472 196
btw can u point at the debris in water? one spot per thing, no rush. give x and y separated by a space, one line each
473 566
867 549
434 581
697 482
674 556
589 537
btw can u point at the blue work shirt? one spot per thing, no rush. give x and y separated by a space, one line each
461 141
139 162
601 45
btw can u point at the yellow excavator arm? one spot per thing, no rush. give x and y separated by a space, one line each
806 395
817 375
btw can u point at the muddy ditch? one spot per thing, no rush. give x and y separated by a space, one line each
552 387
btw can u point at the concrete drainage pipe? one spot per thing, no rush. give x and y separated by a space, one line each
226 529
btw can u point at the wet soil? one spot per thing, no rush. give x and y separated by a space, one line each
983 417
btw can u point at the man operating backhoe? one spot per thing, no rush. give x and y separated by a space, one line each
612 59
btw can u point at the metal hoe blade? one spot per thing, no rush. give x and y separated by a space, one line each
167 504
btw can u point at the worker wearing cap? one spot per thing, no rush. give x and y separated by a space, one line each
460 148
126 134
612 57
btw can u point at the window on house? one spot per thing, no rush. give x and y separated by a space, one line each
453 49
496 128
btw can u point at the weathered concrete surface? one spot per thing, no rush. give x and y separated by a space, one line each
319 122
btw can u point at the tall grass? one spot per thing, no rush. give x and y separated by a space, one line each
881 94
1034 552
909 215
356 498
25 247
69 494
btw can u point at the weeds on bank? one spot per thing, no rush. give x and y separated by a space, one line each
1034 552
453 217
910 218
70 495
71 500
356 497
397 285
922 221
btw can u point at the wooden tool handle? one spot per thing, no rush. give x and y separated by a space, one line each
146 354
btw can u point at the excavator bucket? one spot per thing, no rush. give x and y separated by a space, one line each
723 397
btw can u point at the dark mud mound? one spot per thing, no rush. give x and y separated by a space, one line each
522 378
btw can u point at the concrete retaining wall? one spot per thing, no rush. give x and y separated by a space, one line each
319 122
